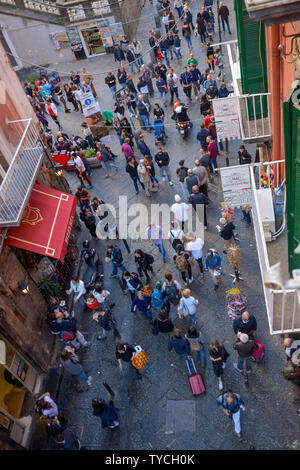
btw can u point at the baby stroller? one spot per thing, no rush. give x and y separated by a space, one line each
159 131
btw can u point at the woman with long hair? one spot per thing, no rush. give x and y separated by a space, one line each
70 96
218 356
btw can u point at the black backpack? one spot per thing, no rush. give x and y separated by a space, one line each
175 241
135 281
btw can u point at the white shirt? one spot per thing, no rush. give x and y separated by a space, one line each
53 411
77 94
195 247
78 289
172 79
180 211
165 19
190 303
79 163
176 234
101 297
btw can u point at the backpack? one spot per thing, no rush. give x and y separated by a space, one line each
175 241
67 335
216 61
147 290
181 262
157 299
134 280
172 292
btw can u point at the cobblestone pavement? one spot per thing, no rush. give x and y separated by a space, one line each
159 411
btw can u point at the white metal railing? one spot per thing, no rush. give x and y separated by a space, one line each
20 176
282 306
259 127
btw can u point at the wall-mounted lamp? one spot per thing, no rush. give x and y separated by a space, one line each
23 287
58 172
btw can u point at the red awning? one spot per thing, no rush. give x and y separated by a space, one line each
46 223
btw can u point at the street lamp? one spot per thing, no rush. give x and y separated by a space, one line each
23 287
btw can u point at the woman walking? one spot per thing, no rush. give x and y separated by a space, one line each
107 412
218 356
188 305
162 324
70 363
196 340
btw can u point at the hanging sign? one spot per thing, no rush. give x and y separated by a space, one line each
226 118
89 104
236 186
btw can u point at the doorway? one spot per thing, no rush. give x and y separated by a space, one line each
93 41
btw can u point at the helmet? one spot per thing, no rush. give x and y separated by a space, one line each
177 107
86 244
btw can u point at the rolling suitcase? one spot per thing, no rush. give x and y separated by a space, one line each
196 381
258 354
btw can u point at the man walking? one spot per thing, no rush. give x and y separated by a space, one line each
244 347
110 81
213 264
114 255
162 159
131 169
245 324
143 262
194 247
186 83
143 109
172 81
155 237
231 403
202 136
181 173
224 14
197 198
180 211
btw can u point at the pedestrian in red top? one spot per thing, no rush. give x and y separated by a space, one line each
207 121
127 149
212 150
52 111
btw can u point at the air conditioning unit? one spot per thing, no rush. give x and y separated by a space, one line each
273 12
266 210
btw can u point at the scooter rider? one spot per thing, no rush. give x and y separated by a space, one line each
88 253
180 114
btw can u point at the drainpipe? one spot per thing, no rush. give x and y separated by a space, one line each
275 78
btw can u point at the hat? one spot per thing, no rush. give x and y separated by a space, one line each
181 162
158 285
244 338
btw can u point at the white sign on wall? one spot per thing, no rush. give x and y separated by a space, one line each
236 186
227 118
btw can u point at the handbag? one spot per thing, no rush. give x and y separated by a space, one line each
166 89
140 358
216 61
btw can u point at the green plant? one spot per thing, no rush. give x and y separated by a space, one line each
49 287
296 445
90 153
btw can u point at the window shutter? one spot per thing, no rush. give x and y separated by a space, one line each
291 119
253 61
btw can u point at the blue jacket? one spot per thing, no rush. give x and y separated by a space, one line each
143 148
142 305
196 75
68 324
186 78
234 407
109 415
201 136
206 83
223 92
180 345
164 45
215 262
160 84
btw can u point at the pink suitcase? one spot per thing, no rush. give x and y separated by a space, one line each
259 353
195 380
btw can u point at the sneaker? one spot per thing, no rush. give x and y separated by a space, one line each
220 385
164 179
236 367
89 187
137 192
116 424
170 183
101 337
223 365
239 436
131 115
136 116
191 280
89 380
113 275
216 286
186 283
67 110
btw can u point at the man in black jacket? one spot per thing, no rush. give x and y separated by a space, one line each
104 318
131 169
65 322
226 232
161 71
245 324
114 255
162 159
199 198
132 61
119 55
144 263
110 81
131 86
191 181
89 221
244 156
224 14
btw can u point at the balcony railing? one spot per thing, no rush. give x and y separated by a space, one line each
20 176
254 116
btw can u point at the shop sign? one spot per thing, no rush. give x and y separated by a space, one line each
105 32
74 38
227 118
59 39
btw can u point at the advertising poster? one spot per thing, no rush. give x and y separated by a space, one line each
74 38
116 32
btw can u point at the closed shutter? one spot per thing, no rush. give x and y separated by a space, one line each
291 119
253 60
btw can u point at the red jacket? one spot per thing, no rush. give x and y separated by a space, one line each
212 149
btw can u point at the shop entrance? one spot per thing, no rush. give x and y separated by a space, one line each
18 380
93 41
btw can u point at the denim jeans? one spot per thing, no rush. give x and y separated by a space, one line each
115 269
146 121
153 179
88 170
174 91
160 246
80 300
193 318
136 66
167 56
163 95
90 141
247 217
165 171
227 23
178 52
135 180
202 355
140 59
83 376
179 11
147 313
105 166
189 42
131 110
200 263
113 90
242 361
184 190
212 162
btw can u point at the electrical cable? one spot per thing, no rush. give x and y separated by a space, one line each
64 74
71 7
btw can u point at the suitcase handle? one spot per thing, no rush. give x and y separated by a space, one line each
188 366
